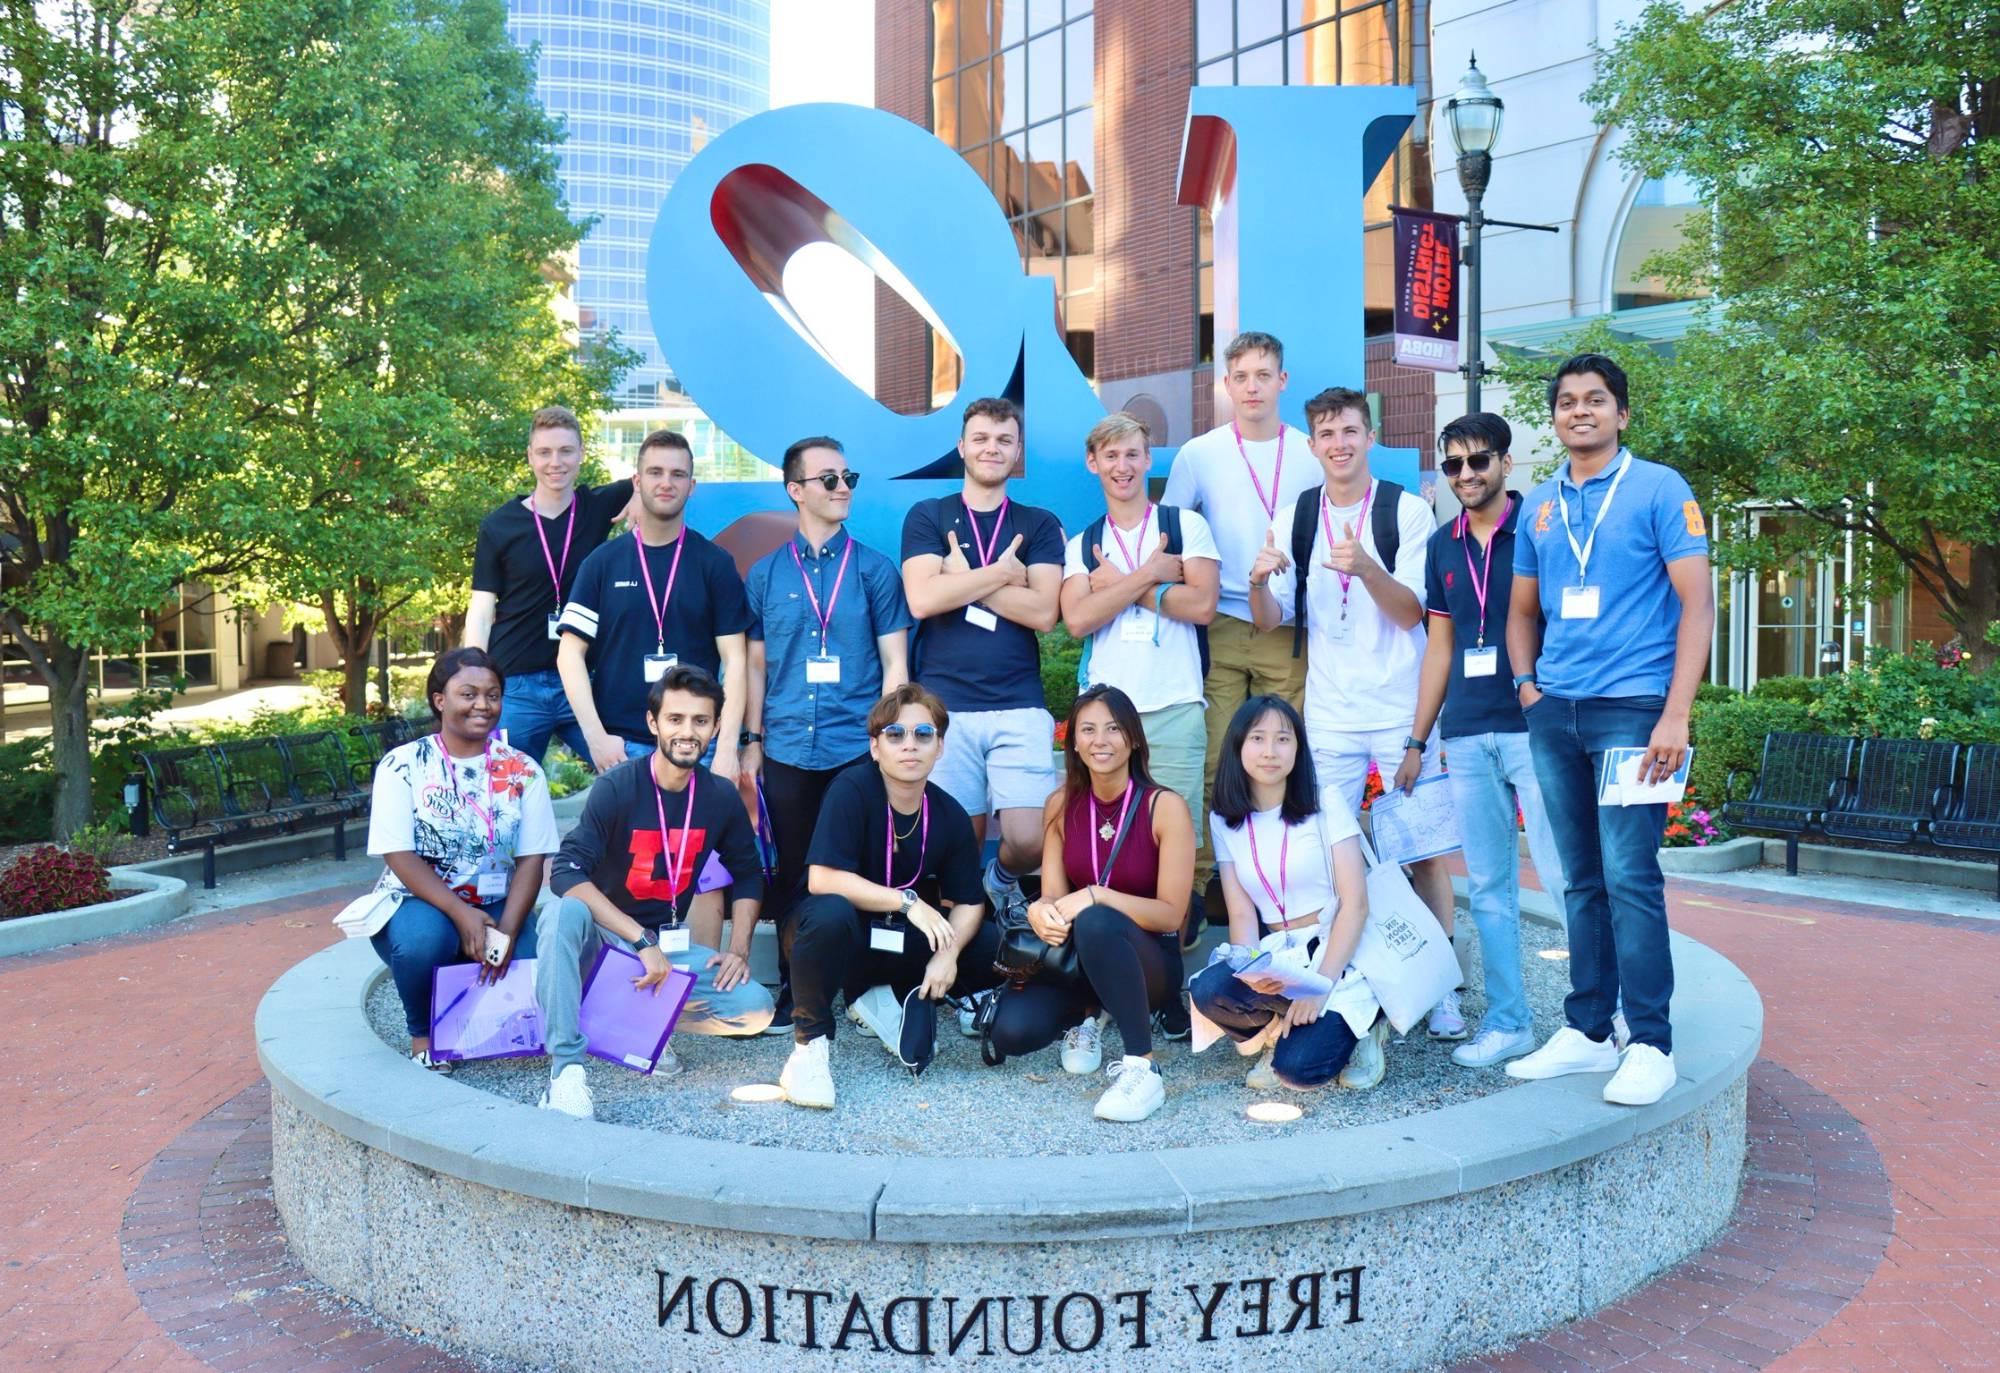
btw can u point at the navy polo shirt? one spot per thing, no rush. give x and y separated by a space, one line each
820 725
970 668
1628 650
1475 705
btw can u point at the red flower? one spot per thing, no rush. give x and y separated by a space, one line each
507 775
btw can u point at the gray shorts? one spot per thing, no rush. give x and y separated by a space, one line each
999 760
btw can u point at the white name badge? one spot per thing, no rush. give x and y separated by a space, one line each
673 939
1135 626
823 667
979 617
1339 628
555 625
1579 603
493 877
885 939
658 664
1482 662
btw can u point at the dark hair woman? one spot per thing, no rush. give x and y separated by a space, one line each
1117 867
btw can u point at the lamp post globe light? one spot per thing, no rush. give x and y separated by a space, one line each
1473 116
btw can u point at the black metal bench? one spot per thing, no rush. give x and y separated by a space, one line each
377 738
1967 814
208 795
1797 783
184 796
1892 798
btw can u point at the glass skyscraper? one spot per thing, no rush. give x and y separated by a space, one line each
642 85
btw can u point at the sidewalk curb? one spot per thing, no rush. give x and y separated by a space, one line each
158 900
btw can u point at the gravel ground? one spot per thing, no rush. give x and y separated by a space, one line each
1026 1107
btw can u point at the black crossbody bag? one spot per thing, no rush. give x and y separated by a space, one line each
1025 957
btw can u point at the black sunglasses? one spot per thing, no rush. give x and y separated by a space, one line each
829 480
894 733
1479 461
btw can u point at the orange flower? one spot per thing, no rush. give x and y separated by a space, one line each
507 775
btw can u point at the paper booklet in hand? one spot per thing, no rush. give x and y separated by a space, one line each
1620 785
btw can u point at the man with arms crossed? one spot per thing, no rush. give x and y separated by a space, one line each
627 874
1241 476
983 574
1468 583
1364 625
642 605
829 634
895 904
1613 560
527 558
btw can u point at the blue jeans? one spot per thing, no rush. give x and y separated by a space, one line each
1309 1056
1613 891
573 940
1491 774
535 710
418 940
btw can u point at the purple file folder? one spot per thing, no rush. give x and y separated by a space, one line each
500 1020
623 1024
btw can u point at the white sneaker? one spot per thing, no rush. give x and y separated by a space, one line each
1568 1051
1263 1077
1447 1022
878 1013
1621 1033
569 1093
1489 1047
1645 1076
1135 1091
669 1064
968 1013
807 1080
1083 1048
1369 1062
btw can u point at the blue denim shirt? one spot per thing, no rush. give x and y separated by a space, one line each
821 725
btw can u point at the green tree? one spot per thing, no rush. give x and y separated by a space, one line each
1850 369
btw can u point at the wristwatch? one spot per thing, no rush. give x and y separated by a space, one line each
1521 679
1412 741
647 939
909 900
747 737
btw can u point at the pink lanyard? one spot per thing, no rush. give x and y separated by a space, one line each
984 549
1326 523
1482 580
472 802
1284 857
889 847
660 609
1270 502
674 860
1097 864
1131 563
825 617
556 569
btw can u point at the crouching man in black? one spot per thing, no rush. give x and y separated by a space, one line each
895 900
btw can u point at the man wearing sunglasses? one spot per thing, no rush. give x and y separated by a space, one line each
896 904
828 635
1467 676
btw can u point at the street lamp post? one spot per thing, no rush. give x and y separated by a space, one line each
1473 115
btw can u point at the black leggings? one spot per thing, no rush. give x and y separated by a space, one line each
826 939
1127 971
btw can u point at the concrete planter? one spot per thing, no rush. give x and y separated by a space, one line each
155 899
1728 856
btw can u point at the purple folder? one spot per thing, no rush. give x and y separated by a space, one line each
500 1020
623 1024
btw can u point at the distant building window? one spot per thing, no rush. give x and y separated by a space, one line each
1657 223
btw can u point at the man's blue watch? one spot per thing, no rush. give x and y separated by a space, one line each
1521 678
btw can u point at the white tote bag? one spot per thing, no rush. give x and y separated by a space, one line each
1404 954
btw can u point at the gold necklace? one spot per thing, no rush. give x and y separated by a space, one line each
905 834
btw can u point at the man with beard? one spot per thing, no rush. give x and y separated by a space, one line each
627 874
664 598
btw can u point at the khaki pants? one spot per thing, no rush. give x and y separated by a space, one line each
1242 662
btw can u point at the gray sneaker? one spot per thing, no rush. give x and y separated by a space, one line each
1369 1061
999 897
1489 1047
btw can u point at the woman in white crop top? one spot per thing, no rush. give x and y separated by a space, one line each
1296 885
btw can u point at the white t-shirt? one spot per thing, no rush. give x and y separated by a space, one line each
1367 680
419 808
1209 475
1123 652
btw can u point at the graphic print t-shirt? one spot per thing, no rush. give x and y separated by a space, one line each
436 806
618 846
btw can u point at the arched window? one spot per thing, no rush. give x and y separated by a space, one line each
1656 222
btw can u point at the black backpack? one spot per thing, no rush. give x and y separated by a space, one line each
1170 525
1382 512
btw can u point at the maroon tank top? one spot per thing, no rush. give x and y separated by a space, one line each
1137 871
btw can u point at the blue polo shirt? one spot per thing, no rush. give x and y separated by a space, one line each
1475 705
820 725
1628 650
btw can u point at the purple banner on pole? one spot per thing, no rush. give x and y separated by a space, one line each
1426 290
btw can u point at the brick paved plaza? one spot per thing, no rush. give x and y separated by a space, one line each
140 1234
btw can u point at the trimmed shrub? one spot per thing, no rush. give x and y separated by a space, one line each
1060 656
51 879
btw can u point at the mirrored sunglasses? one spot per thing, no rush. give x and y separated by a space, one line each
895 733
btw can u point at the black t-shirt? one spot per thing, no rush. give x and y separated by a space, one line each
968 667
509 562
607 608
851 835
617 845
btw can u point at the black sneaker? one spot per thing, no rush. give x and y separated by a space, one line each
1171 1021
781 1019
